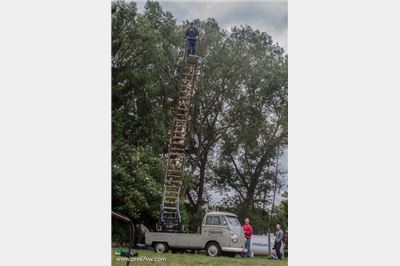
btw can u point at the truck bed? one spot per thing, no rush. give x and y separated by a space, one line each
176 240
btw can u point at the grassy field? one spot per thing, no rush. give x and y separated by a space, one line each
196 259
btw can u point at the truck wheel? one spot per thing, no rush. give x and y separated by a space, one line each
213 249
160 248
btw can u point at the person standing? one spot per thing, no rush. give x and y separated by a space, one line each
278 241
248 230
191 36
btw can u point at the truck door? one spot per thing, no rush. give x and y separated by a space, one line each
216 228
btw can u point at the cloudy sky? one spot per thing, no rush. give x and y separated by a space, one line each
267 16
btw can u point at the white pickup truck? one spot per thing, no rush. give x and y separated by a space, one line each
221 233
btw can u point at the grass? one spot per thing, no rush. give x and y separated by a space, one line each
196 259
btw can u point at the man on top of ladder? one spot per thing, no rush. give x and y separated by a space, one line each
191 35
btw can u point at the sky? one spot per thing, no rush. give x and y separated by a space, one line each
266 16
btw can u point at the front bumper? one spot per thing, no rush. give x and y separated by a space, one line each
236 250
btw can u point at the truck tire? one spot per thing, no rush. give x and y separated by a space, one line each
161 247
213 249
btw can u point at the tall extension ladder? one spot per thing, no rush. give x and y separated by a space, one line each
170 218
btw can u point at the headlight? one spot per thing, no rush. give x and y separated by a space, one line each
234 237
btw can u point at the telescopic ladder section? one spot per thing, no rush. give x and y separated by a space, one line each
170 218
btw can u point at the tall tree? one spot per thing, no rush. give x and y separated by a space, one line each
260 109
144 80
210 95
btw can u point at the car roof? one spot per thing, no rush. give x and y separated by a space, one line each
221 213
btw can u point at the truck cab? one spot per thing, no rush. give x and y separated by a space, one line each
225 229
221 233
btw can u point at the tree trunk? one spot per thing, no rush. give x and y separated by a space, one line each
200 192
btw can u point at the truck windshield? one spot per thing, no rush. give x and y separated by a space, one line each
233 220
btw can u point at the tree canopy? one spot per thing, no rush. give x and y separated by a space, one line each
238 126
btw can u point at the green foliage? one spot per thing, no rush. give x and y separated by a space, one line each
145 49
280 215
238 120
257 112
137 184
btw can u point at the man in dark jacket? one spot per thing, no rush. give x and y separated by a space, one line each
191 36
278 241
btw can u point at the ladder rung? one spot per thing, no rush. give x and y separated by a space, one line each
178 176
180 128
171 192
172 186
170 208
179 132
172 170
177 146
176 143
173 178
169 212
175 134
170 202
173 181
177 149
175 192
176 160
176 154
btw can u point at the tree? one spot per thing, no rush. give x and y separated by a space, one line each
206 125
144 56
238 120
260 110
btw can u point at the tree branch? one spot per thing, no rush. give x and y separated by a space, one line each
239 173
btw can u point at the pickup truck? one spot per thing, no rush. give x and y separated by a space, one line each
221 233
